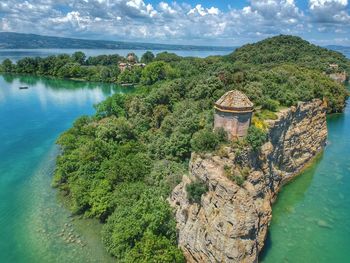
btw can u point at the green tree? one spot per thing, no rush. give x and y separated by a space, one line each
79 57
256 137
132 230
154 72
7 66
205 140
147 57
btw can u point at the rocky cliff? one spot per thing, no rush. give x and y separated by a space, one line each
339 77
230 224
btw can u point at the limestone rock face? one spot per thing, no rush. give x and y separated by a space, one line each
231 222
339 77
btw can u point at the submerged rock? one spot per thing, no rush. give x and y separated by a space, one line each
324 224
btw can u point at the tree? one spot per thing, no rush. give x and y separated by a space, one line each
205 140
7 65
79 57
113 105
256 137
147 57
154 72
153 248
146 226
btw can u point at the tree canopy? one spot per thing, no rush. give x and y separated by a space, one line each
121 164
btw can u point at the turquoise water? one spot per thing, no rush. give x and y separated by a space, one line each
311 218
33 226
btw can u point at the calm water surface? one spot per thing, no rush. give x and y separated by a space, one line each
310 218
33 226
16 54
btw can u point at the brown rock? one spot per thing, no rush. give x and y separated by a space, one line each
231 223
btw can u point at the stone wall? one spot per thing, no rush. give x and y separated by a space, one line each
235 124
230 224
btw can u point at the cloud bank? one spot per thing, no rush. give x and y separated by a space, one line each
322 21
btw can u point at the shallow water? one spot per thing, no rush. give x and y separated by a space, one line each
33 226
311 218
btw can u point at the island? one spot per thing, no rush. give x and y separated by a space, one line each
188 166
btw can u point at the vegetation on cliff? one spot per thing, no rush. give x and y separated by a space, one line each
121 164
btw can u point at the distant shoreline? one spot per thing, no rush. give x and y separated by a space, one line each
10 40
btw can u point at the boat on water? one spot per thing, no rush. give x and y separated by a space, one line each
23 87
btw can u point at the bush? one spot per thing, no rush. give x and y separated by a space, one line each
238 179
195 190
207 140
270 104
236 176
256 137
142 229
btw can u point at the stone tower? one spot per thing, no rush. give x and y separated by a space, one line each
233 113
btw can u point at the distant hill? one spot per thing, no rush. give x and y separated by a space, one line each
284 49
10 40
342 49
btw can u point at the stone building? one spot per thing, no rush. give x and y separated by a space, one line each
233 113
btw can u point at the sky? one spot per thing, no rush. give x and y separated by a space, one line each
224 22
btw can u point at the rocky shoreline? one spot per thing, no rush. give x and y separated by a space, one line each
231 222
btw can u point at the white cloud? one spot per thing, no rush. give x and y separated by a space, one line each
322 3
172 21
199 9
329 11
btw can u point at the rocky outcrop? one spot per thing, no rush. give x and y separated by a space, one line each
339 77
231 222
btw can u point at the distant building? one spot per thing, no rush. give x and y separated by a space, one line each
131 58
233 113
334 66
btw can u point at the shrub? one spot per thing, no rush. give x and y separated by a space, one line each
256 137
238 179
270 104
195 190
207 140
234 175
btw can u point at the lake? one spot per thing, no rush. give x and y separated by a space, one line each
310 217
16 54
34 227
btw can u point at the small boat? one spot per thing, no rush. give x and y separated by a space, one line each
23 87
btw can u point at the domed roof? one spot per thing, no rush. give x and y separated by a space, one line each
131 57
234 101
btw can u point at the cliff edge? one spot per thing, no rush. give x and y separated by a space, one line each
231 222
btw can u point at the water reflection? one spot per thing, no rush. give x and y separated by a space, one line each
31 220
51 91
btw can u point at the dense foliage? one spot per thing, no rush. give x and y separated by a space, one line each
256 137
120 165
289 49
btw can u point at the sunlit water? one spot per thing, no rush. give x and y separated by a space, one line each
33 226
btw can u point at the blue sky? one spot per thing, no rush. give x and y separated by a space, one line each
201 22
